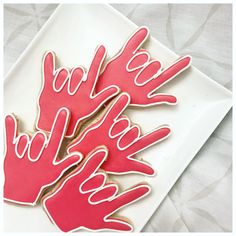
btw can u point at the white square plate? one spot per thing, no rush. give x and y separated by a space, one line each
73 32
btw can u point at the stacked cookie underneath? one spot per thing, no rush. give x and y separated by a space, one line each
82 137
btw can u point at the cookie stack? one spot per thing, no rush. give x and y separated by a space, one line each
83 137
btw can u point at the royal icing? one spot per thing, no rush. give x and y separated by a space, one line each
31 163
88 201
122 139
73 89
134 72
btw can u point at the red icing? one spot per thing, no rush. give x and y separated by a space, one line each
148 72
134 72
95 181
123 147
138 61
129 137
91 210
104 194
37 145
31 163
21 145
120 126
76 78
71 89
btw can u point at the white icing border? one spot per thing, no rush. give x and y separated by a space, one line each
124 133
91 96
42 148
141 71
47 140
92 176
17 140
105 199
93 127
68 80
124 46
118 120
140 66
144 66
90 156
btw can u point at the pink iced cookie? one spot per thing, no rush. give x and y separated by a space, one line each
72 89
31 163
122 139
85 201
134 72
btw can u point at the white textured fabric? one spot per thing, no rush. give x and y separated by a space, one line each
201 200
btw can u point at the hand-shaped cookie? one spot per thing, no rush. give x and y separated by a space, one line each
72 89
31 163
134 72
85 201
122 139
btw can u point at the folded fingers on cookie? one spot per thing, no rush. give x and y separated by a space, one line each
31 162
73 89
122 138
135 72
85 199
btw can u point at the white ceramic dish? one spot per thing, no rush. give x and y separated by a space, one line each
73 32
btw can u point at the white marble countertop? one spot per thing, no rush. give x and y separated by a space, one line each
201 200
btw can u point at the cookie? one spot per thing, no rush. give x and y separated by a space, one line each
31 162
134 72
122 139
85 200
73 89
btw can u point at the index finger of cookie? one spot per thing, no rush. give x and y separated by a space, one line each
118 106
95 67
92 164
136 40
